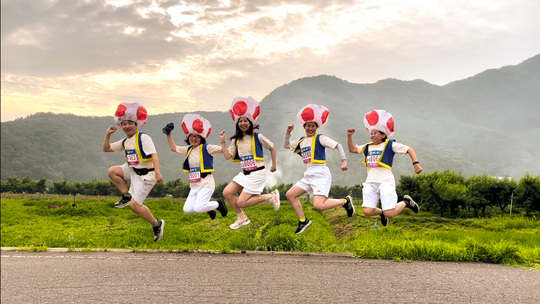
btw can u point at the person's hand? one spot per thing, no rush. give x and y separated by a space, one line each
159 177
168 128
350 131
222 135
289 129
344 166
111 130
273 168
417 169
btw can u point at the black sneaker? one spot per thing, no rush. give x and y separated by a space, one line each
126 198
212 214
411 204
158 231
222 208
384 220
303 226
349 206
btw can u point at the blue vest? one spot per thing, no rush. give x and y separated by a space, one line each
256 147
387 157
138 147
207 160
318 151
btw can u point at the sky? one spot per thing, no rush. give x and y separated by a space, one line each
86 57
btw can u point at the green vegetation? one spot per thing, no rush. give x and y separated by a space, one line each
40 222
448 193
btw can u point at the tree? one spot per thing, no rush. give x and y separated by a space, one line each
528 193
443 191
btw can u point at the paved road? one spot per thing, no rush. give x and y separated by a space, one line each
124 277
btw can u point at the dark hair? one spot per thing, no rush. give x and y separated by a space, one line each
239 134
128 120
385 137
203 141
312 122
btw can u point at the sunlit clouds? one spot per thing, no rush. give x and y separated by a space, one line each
84 57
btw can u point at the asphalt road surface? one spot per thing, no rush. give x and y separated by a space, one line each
127 277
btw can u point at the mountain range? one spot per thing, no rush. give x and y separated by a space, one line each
485 124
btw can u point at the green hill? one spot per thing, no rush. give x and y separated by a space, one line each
487 123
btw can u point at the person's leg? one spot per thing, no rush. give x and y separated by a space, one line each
370 199
142 211
321 202
388 201
116 174
242 220
247 199
229 193
203 202
190 201
368 211
292 196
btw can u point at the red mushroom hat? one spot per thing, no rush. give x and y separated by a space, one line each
196 124
131 111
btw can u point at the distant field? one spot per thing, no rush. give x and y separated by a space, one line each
35 222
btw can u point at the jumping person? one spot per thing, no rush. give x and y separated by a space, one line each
142 166
317 179
199 163
378 156
246 147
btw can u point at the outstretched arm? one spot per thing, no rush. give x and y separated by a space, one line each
339 147
274 162
416 164
171 143
155 161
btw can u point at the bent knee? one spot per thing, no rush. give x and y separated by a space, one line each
290 196
318 207
369 211
116 170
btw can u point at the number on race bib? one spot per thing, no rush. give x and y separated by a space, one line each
132 158
195 175
248 163
306 155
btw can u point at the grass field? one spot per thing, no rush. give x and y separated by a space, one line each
38 223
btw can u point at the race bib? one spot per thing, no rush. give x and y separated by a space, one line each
195 175
248 163
372 159
306 154
132 158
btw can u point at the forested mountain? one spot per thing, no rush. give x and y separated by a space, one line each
487 123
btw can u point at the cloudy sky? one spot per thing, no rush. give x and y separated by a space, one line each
85 57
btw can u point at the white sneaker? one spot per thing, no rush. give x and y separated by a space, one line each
275 199
239 223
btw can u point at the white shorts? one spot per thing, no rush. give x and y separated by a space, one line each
253 183
141 185
372 193
317 180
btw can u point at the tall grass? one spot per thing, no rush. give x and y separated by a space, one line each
37 224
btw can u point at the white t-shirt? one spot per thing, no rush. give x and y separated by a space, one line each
326 141
245 148
147 146
195 161
379 174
